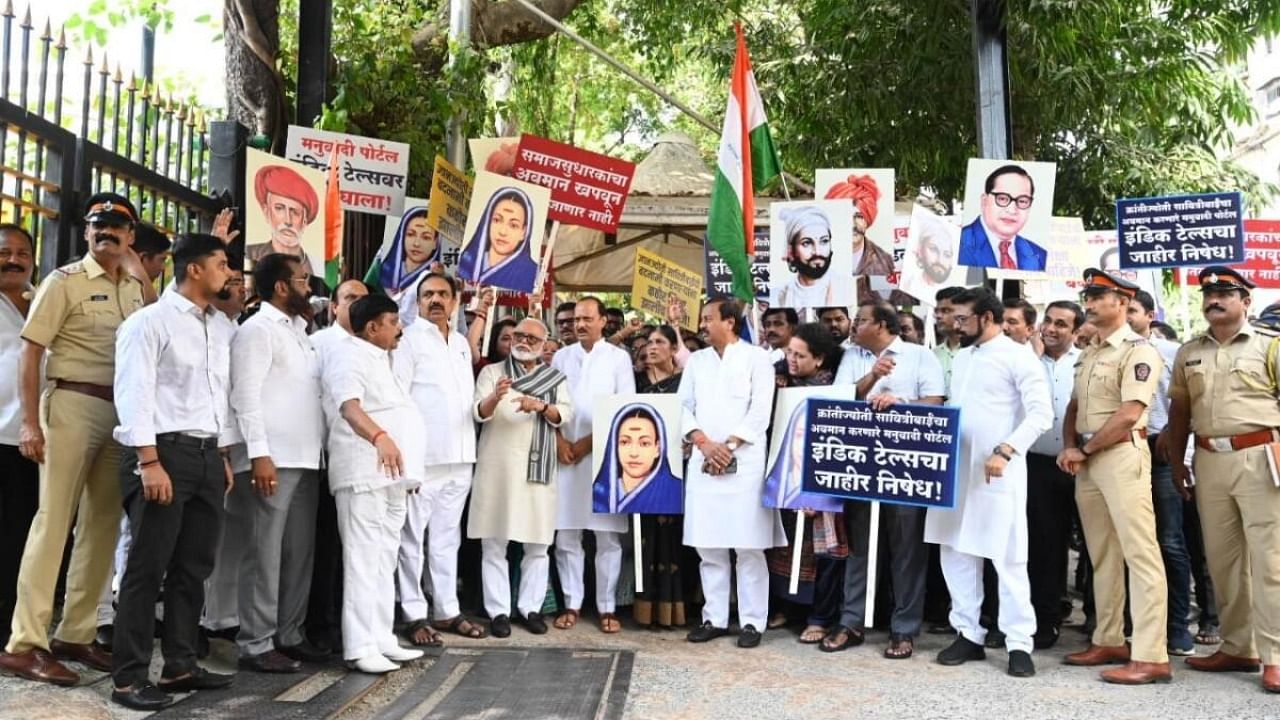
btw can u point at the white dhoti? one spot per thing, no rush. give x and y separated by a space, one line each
571 563
369 523
534 567
753 587
434 514
963 573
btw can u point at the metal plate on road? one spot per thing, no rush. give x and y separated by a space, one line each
526 683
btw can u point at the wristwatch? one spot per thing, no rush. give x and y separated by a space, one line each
999 450
733 445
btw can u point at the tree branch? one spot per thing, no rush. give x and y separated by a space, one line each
493 24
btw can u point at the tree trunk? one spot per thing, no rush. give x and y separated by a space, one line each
494 24
255 87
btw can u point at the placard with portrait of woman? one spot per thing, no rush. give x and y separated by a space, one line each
637 457
502 244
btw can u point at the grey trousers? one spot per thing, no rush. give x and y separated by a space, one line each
222 589
276 579
902 529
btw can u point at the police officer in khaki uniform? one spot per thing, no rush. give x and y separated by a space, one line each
74 317
1104 433
1224 382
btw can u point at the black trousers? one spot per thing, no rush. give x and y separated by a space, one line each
19 500
174 544
1050 496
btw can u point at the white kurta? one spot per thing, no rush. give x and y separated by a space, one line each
729 396
1003 397
606 370
504 504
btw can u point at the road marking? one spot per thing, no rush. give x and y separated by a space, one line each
312 686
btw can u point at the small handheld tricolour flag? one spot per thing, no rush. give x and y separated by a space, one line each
747 163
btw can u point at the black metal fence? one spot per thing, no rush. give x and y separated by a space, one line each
120 136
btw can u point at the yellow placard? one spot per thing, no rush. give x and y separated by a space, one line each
656 279
447 206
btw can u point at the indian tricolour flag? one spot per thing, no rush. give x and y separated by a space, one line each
333 224
747 162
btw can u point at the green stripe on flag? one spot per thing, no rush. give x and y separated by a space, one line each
765 165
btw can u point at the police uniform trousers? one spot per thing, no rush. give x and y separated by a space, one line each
276 580
370 522
1240 514
80 470
571 561
1113 491
434 515
534 568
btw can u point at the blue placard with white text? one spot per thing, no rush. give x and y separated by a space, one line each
1180 230
905 455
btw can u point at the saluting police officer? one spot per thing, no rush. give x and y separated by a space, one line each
1104 434
68 431
1224 382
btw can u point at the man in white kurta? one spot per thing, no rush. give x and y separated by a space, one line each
435 360
593 368
376 454
508 503
275 391
1005 405
727 394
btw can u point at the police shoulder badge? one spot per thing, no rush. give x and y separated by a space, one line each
1141 372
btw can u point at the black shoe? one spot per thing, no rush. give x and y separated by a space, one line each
142 696
1045 639
105 637
1020 664
228 634
199 679
749 637
706 631
534 623
500 626
941 628
304 652
271 661
202 644
995 640
961 651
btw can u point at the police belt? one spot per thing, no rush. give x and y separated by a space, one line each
102 392
1134 435
1242 441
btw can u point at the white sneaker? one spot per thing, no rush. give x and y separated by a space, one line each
374 665
402 654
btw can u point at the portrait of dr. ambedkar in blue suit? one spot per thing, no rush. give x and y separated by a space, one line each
992 239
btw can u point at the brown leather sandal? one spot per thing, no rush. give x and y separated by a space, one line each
609 623
566 620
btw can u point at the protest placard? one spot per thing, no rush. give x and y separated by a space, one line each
373 172
447 207
870 192
1261 264
809 266
503 240
587 189
905 455
1181 230
290 213
1007 213
719 281
656 279
639 464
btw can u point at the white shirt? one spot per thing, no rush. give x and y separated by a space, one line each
1061 374
10 351
1159 410
275 389
916 371
437 370
606 370
173 372
356 369
324 341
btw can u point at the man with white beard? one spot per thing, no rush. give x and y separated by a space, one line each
513 496
592 369
1005 405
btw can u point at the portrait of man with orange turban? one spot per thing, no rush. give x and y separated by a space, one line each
289 206
862 191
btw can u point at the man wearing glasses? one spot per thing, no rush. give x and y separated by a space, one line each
992 239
